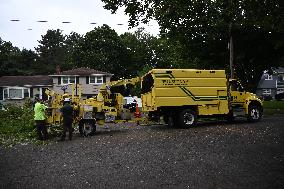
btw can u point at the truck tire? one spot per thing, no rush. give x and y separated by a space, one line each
254 113
187 118
87 127
230 117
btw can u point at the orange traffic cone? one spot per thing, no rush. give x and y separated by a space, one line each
137 113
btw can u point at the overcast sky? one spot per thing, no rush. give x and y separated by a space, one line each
26 32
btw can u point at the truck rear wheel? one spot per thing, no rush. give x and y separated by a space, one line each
254 113
87 127
187 118
230 117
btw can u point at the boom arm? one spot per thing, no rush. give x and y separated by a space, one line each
120 82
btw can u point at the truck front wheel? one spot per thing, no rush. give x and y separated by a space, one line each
187 118
87 127
254 113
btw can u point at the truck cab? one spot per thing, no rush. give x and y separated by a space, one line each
243 103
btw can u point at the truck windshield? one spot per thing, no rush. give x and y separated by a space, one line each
147 83
236 86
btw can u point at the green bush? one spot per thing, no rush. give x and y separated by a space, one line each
17 125
16 119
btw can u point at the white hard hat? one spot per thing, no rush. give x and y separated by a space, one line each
67 99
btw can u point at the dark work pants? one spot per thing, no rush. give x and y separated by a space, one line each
67 125
41 129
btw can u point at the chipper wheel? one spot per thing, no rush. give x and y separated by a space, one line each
87 127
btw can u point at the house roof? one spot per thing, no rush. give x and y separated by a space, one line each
266 84
279 70
81 72
270 84
37 80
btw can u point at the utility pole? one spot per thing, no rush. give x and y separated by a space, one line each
231 47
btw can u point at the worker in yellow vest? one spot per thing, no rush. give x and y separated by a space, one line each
39 118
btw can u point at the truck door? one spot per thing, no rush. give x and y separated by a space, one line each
238 96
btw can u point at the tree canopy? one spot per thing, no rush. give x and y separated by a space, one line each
202 29
51 51
194 34
102 49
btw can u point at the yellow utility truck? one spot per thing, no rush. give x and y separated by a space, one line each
181 96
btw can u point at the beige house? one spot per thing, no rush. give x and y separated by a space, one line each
16 89
90 81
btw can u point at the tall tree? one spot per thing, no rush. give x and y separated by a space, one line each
72 42
102 49
257 51
139 48
167 53
148 51
202 28
9 56
27 62
52 51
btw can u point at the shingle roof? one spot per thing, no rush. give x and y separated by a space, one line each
82 72
21 81
280 70
266 84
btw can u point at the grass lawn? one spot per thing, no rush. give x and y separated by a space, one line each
273 107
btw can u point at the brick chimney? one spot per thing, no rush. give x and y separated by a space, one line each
57 69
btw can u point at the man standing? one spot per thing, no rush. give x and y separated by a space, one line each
67 114
39 118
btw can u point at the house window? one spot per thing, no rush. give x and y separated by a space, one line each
16 93
26 93
96 79
68 79
6 93
267 77
280 91
266 91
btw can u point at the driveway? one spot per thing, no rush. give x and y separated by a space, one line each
211 155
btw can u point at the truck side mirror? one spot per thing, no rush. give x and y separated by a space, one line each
240 87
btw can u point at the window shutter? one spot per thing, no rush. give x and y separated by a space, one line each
59 80
31 92
104 79
1 93
87 79
77 80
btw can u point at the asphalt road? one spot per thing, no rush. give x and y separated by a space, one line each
211 155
